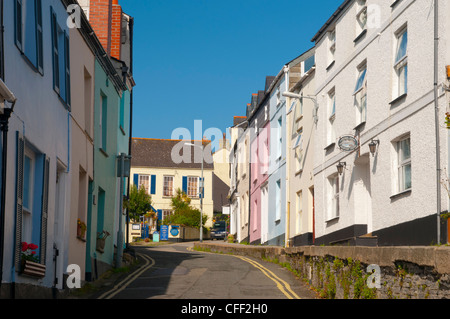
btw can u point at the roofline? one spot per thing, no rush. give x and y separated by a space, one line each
163 139
166 167
333 17
275 80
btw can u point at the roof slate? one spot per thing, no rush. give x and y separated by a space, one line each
157 153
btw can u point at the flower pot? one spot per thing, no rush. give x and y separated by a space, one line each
101 245
32 269
81 232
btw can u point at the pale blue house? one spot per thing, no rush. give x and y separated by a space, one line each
277 164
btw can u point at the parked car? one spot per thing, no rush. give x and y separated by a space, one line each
219 230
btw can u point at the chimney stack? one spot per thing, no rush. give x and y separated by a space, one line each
105 17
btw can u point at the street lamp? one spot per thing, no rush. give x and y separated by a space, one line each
300 97
201 190
6 95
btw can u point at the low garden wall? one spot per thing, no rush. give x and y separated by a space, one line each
339 272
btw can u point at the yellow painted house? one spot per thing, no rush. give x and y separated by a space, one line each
163 166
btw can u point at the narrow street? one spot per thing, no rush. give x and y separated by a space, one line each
177 272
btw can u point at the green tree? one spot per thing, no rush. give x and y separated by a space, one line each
183 213
139 203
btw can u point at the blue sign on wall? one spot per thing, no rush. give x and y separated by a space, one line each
164 233
175 231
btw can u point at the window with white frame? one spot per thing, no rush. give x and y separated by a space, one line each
308 64
360 94
278 201
278 96
401 63
299 108
279 137
245 158
331 46
404 164
299 210
298 148
331 134
193 189
144 182
168 186
166 213
361 16
28 191
333 196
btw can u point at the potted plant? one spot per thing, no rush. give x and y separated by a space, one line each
101 240
81 229
30 261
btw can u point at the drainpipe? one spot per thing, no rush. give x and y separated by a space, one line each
436 112
287 165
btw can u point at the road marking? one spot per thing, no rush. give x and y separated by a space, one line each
149 263
278 281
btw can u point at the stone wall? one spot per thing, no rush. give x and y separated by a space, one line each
343 272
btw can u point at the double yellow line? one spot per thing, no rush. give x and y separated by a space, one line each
282 285
149 263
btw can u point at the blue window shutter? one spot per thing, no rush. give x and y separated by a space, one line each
67 70
185 184
202 190
44 215
153 185
19 196
55 52
18 23
159 219
39 37
136 180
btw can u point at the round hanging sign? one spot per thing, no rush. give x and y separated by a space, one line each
348 143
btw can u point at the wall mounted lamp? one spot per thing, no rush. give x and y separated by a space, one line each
373 146
340 167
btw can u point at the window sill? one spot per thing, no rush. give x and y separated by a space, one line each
81 239
360 36
360 126
330 65
299 118
332 145
403 193
398 99
393 5
122 130
332 219
103 152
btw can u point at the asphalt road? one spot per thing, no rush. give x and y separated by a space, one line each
177 272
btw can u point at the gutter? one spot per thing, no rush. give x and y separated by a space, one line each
331 20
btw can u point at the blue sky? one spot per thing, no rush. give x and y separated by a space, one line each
202 59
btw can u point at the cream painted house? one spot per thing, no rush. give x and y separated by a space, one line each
82 158
300 152
163 166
